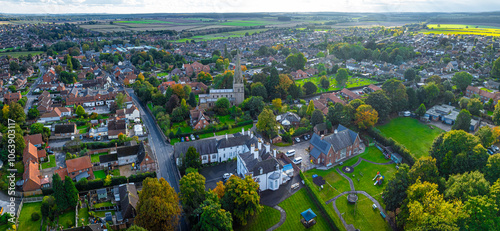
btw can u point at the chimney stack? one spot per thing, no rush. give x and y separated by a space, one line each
335 131
259 144
254 151
267 146
226 136
242 131
323 136
274 152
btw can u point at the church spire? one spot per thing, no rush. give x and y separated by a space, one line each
238 75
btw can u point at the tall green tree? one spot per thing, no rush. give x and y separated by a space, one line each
481 214
191 159
395 191
258 89
475 106
80 111
267 124
396 92
410 74
495 69
421 110
71 192
463 186
342 77
496 115
241 198
59 193
192 100
381 103
462 80
317 117
213 217
309 88
158 207
492 169
486 136
463 121
310 108
424 169
192 192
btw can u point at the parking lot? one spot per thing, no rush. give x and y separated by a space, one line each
213 174
300 151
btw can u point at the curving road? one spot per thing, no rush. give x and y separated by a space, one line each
162 150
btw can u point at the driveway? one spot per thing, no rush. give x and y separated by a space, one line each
441 125
213 174
300 151
60 159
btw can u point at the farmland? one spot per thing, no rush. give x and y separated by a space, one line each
16 54
462 29
224 35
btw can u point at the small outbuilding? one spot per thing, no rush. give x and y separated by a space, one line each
308 218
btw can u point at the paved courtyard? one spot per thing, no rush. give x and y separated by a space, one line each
300 151
213 174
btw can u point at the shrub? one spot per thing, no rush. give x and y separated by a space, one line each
35 216
69 223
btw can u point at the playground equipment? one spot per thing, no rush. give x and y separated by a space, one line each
378 179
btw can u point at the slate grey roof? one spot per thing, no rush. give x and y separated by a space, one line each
267 166
129 150
338 141
108 158
319 144
204 147
128 200
64 128
232 141
290 116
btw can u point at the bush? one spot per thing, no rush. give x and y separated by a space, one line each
47 191
35 216
69 223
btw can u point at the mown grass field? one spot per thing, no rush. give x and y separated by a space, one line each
417 137
265 220
352 82
294 205
50 163
223 35
362 215
462 29
145 22
25 222
17 54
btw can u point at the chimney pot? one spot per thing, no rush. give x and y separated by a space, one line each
323 136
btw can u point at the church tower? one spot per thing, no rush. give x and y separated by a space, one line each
238 85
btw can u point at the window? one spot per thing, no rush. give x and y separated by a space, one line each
342 153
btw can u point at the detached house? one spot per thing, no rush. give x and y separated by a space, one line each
65 130
115 127
327 150
198 119
11 97
80 168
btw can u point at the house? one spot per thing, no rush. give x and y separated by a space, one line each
331 97
349 94
288 119
261 166
115 127
31 177
65 130
30 153
320 129
131 113
327 150
35 139
484 96
138 131
102 193
300 74
129 154
320 104
198 119
128 203
109 160
145 162
195 68
11 97
80 168
98 131
55 115
207 148
197 87
438 112
373 88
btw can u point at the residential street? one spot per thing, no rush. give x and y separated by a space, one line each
162 151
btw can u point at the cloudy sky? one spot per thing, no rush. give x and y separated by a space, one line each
221 6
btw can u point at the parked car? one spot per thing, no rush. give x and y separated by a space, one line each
297 160
297 139
495 148
49 151
192 137
226 176
290 153
490 151
182 139
197 137
407 113
305 137
187 138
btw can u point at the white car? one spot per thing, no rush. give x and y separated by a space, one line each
297 139
290 153
226 176
297 160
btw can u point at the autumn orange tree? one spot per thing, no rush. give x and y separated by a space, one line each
366 116
204 77
158 208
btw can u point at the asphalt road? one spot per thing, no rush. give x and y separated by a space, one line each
163 151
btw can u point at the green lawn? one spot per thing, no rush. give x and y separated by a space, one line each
95 157
226 120
486 89
103 213
25 222
115 172
362 216
414 135
219 133
263 221
50 163
67 219
17 54
100 174
83 216
294 205
338 183
352 82
185 128
103 204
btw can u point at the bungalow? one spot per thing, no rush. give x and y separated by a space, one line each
198 119
349 94
288 119
131 113
80 168
145 162
128 154
55 115
335 147
109 160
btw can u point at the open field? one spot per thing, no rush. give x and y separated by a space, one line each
362 215
16 54
462 29
352 82
294 205
145 22
265 220
417 137
225 35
